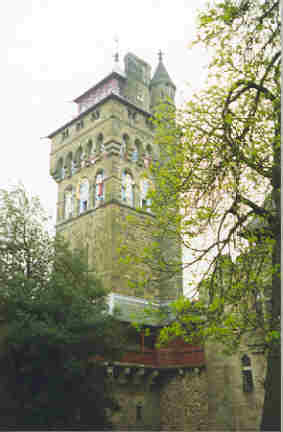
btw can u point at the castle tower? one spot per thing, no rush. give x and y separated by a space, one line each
99 160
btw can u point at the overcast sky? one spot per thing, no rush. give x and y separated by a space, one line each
53 50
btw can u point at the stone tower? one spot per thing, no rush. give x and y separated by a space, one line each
99 160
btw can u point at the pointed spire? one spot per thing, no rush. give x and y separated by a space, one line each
116 67
116 55
161 75
160 55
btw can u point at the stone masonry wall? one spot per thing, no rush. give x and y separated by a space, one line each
230 408
184 402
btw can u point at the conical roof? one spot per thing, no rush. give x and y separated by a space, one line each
161 75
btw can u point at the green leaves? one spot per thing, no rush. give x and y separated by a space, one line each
55 316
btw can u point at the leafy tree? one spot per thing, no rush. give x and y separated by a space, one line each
54 321
217 188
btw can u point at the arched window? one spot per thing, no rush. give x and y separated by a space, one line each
78 157
83 196
148 156
145 201
124 146
69 164
68 203
136 151
127 188
60 171
89 147
99 189
247 374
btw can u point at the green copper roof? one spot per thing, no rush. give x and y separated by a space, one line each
161 75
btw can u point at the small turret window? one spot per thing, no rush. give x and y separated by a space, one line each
79 125
65 133
95 115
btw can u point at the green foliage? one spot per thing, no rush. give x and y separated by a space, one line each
217 187
219 172
54 320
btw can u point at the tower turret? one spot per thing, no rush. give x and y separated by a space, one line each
161 85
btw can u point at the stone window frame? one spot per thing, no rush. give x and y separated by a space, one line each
67 189
126 171
83 205
60 168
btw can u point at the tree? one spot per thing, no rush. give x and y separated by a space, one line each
220 167
53 321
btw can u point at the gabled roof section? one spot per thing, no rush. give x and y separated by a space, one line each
110 96
116 73
161 75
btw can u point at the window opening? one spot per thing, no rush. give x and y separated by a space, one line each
127 189
99 189
84 196
65 133
124 146
136 151
247 374
145 201
69 204
95 115
139 411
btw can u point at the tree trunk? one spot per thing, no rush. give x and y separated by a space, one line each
271 416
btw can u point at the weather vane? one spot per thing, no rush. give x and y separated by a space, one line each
160 55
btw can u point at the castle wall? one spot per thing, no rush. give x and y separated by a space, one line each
229 406
139 407
184 402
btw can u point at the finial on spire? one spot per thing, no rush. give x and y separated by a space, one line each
160 55
116 55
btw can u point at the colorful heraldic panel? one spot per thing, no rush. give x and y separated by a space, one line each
99 189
